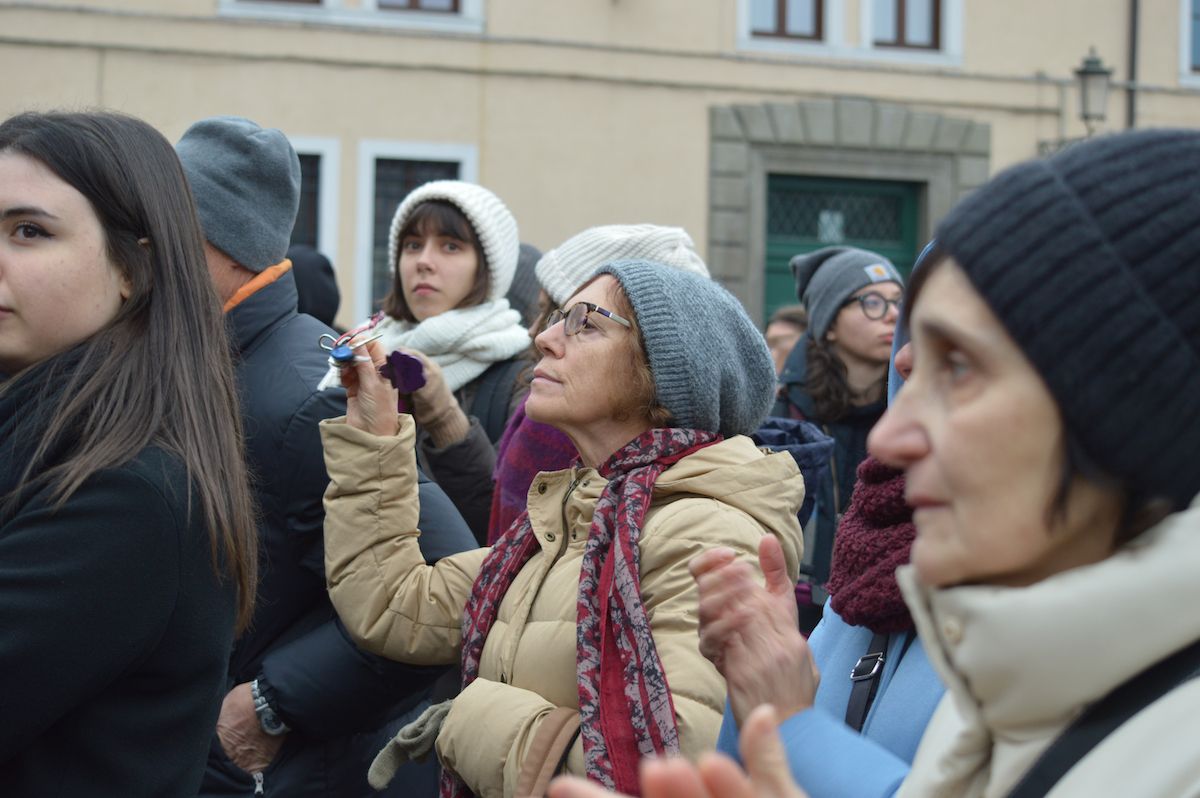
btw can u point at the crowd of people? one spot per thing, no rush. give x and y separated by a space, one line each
571 523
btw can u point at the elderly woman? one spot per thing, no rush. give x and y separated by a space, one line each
1048 435
583 616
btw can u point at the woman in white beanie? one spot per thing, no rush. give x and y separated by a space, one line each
529 446
453 250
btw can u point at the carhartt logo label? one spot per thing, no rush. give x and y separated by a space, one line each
879 273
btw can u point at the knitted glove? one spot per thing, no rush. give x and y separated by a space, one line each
413 742
434 407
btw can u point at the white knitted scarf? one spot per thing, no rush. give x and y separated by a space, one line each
463 341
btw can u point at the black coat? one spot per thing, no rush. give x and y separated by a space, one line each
849 435
115 630
326 689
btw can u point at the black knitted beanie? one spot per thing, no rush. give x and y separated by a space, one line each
1091 260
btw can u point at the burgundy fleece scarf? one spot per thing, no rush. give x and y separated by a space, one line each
526 448
875 537
625 705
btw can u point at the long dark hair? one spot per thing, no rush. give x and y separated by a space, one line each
440 218
160 373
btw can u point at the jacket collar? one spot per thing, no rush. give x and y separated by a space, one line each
1026 660
262 310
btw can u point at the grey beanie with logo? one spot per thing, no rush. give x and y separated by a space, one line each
246 181
711 366
827 278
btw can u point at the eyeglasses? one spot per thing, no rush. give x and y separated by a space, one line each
576 317
875 305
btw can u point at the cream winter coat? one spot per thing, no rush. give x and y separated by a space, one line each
1021 663
729 494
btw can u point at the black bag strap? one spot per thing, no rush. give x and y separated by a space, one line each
1106 716
865 677
492 395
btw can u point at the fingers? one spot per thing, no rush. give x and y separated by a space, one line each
672 778
575 787
710 560
723 778
765 757
774 566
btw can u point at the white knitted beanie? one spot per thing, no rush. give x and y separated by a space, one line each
493 223
562 270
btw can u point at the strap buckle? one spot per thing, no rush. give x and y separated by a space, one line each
867 667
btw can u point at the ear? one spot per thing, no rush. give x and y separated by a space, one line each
126 289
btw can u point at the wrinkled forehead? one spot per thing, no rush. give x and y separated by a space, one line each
602 291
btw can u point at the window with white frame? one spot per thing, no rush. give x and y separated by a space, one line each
914 24
388 171
449 15
1194 35
317 219
788 19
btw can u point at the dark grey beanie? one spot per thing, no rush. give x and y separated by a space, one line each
711 367
523 293
825 279
1091 261
246 181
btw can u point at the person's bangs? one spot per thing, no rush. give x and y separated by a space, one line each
439 218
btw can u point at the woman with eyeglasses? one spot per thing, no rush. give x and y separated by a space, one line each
836 377
577 632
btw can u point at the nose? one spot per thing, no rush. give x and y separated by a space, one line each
425 256
551 340
898 439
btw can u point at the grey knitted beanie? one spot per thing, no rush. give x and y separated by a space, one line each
825 279
246 181
711 367
564 269
1090 261
488 215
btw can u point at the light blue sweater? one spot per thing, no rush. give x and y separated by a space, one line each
827 758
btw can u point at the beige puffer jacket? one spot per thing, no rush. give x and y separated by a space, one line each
1021 663
394 604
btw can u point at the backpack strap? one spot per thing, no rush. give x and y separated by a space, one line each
493 392
1106 716
865 676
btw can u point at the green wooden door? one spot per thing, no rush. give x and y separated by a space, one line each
807 213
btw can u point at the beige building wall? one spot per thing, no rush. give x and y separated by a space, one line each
583 112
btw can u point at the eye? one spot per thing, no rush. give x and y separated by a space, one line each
958 366
28 231
411 245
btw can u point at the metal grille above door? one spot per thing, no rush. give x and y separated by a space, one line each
806 213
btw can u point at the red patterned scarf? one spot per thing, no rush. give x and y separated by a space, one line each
625 703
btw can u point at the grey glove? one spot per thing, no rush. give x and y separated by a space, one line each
413 742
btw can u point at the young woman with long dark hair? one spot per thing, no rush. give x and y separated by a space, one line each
127 554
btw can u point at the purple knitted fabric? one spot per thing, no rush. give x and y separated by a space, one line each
875 537
526 448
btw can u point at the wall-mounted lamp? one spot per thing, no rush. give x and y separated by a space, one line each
1094 82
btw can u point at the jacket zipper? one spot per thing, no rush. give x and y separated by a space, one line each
566 497
258 784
